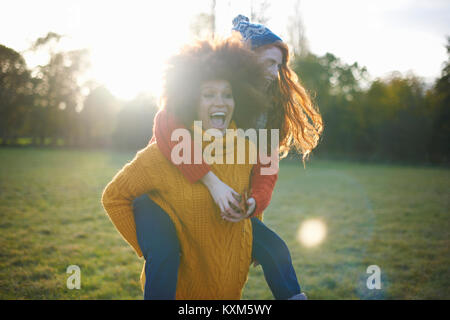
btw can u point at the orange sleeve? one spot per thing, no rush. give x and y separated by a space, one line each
163 126
262 187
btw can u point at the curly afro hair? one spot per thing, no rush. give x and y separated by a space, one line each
224 59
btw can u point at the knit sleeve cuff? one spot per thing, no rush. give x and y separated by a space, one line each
128 228
125 224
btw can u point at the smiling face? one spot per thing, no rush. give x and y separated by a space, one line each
271 58
216 105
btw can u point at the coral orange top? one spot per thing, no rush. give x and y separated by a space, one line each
261 185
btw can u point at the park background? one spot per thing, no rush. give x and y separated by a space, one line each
79 86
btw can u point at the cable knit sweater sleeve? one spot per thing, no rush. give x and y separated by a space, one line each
133 180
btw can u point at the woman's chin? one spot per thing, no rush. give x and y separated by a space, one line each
222 127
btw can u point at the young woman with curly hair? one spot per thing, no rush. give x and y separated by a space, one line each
192 252
289 111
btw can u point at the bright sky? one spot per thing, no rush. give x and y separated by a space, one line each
130 40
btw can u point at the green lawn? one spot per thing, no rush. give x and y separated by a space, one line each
395 217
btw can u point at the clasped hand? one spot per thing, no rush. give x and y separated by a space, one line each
235 213
227 199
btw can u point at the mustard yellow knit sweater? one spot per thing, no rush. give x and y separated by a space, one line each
215 254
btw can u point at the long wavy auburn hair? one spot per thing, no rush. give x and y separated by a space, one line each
292 106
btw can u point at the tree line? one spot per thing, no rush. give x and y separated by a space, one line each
397 118
48 106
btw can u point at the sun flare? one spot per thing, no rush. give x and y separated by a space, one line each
311 233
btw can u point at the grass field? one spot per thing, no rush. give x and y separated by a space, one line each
395 217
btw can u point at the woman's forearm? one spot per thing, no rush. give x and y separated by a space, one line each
164 125
210 179
262 187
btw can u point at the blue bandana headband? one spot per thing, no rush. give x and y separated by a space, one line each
258 34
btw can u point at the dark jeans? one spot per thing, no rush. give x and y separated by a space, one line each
159 244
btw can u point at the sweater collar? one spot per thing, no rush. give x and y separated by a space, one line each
213 142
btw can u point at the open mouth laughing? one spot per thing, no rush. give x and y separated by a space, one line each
218 119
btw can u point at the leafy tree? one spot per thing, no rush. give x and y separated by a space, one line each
15 93
201 26
335 86
438 99
296 32
58 92
98 117
134 127
258 11
398 126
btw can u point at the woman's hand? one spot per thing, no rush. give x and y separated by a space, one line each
223 195
251 204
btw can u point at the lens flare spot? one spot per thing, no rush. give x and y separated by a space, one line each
311 233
